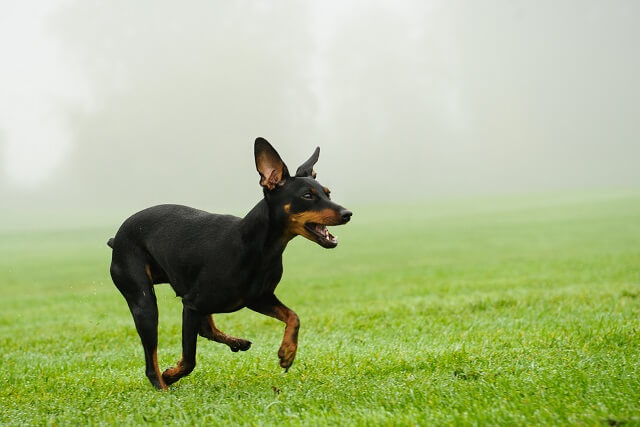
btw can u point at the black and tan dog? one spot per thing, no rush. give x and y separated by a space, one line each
221 263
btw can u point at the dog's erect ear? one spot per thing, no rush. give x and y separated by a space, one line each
306 169
273 171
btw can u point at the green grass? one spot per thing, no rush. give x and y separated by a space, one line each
502 311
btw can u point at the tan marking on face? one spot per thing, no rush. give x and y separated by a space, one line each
326 191
297 221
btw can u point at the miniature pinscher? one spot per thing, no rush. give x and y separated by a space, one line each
221 263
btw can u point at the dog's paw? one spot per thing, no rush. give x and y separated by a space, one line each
286 354
239 344
158 383
182 369
171 375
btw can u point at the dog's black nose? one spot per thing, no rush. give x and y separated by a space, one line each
346 216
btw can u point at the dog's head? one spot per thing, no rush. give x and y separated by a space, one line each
300 200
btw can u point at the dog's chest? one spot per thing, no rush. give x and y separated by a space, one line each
228 293
263 281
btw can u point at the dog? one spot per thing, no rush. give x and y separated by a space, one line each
221 263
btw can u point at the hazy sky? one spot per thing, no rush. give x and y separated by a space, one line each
122 104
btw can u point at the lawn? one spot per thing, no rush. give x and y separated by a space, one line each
509 310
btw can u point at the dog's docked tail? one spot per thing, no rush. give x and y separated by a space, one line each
110 243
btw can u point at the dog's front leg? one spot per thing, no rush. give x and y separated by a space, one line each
271 306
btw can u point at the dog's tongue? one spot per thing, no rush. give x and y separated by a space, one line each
322 230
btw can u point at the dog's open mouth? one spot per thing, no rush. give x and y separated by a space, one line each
322 235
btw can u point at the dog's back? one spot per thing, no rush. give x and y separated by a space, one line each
174 241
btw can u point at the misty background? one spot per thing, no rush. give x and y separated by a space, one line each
108 107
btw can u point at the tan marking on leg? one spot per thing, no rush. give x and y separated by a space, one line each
176 370
157 370
234 343
215 331
181 369
147 270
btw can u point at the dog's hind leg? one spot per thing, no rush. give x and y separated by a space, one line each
209 331
190 325
130 277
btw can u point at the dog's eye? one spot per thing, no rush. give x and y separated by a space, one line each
307 195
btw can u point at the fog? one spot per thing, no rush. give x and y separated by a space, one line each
113 106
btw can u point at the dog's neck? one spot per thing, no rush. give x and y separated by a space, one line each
265 227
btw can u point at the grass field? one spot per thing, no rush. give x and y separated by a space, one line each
520 310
